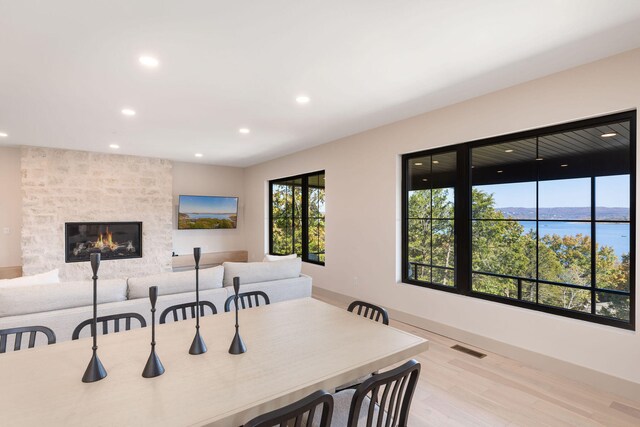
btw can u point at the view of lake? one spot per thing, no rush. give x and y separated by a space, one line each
616 236
210 215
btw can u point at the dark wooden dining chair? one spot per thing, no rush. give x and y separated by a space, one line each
302 413
115 318
370 311
383 399
18 332
248 300
179 311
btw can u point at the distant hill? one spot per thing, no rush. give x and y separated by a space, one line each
602 213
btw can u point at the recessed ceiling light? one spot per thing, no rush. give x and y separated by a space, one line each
128 112
114 146
424 180
244 130
418 164
508 151
149 61
609 134
198 154
303 99
435 162
564 165
539 158
3 135
500 171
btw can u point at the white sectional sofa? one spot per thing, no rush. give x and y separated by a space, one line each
62 306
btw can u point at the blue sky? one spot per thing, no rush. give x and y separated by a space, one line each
206 204
611 191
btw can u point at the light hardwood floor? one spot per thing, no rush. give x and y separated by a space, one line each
456 389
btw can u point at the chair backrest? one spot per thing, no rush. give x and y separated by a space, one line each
247 300
369 311
387 397
299 414
32 330
182 310
116 318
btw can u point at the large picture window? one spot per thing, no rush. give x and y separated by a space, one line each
543 219
297 216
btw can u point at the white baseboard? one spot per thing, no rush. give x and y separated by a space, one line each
597 379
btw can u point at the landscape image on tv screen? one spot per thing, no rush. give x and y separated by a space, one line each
207 212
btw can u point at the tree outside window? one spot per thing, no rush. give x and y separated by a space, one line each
297 217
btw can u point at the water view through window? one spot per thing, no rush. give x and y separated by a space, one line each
545 225
549 223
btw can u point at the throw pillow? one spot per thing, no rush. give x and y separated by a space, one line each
37 279
269 258
254 272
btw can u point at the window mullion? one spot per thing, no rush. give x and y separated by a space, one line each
271 219
304 235
405 221
537 220
462 221
293 218
593 245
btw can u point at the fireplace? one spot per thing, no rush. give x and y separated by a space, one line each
113 240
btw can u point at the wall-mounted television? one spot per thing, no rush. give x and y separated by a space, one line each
207 212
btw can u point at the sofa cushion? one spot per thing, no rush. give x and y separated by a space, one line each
36 279
279 290
269 258
175 282
19 300
252 272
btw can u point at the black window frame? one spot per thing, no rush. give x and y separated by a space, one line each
463 214
305 214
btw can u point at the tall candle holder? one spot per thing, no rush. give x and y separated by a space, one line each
237 345
197 346
95 371
154 367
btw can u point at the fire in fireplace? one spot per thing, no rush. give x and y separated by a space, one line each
113 240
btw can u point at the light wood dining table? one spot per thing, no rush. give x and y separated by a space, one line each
293 348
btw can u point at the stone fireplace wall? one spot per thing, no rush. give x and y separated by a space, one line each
61 186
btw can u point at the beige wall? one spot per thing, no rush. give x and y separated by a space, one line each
10 207
363 210
206 180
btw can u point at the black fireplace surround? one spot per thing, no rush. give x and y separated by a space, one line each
113 240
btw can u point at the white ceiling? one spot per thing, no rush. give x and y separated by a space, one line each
67 67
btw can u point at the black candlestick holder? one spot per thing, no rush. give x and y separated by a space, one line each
95 371
237 345
197 346
154 367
